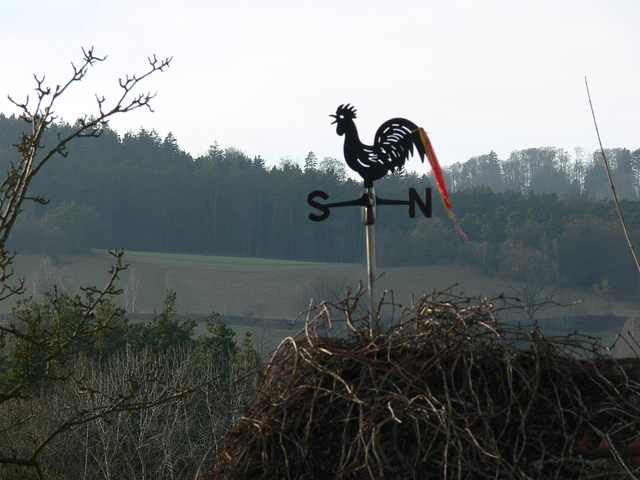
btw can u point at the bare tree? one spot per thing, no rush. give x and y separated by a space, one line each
131 291
45 279
628 343
43 340
530 274
318 290
165 440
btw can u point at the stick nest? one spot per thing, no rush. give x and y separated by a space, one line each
446 391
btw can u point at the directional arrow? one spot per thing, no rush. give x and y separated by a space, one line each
369 201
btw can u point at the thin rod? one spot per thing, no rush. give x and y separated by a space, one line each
369 218
613 188
371 271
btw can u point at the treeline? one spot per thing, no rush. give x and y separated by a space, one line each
549 169
142 192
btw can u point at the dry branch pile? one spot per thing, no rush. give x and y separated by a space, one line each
446 391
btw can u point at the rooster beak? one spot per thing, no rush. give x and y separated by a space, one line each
335 117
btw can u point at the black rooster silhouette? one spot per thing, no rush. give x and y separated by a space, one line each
394 142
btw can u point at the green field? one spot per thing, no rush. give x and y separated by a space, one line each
219 259
264 288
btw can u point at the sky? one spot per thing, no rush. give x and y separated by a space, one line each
478 75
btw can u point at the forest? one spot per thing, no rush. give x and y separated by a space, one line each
540 206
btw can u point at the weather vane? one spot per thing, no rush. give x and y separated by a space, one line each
394 142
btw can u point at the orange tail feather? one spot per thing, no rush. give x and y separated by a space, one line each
437 173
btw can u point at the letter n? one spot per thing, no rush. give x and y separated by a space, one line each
424 206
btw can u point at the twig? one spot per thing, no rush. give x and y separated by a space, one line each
613 188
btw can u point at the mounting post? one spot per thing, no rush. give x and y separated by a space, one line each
369 218
368 202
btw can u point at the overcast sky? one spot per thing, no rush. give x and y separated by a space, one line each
263 76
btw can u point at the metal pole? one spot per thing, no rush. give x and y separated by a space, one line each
369 216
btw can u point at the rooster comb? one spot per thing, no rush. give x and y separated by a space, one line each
347 111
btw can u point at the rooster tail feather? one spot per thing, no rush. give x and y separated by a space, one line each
437 173
457 225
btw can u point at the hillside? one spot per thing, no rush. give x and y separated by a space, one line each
538 203
274 289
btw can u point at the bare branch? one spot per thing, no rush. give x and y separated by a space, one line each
13 190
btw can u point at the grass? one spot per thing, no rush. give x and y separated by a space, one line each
218 259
